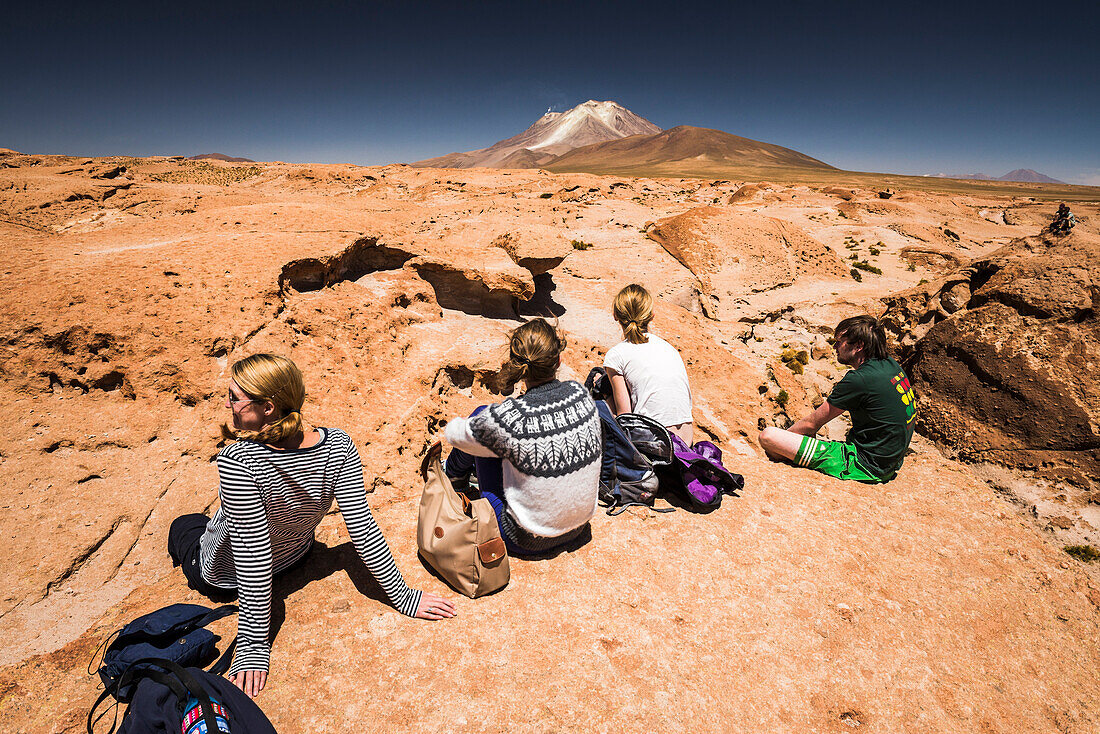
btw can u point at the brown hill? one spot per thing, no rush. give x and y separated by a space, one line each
219 157
524 158
1023 175
1029 176
681 144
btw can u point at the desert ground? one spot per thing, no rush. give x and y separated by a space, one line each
940 602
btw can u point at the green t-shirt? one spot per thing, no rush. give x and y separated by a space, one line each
882 405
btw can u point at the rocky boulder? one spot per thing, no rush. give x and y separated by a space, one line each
488 286
736 253
840 193
999 352
537 248
748 192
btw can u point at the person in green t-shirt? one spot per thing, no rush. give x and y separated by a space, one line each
877 394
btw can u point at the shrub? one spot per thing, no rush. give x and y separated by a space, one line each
864 265
875 251
1083 553
580 245
794 360
856 276
782 398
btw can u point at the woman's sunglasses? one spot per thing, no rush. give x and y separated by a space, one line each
235 400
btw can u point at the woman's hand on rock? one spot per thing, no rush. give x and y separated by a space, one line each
434 607
249 681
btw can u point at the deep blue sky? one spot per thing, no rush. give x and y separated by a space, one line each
881 86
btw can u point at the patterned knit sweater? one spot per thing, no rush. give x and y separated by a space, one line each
550 441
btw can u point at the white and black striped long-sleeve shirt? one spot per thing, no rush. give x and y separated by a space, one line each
271 502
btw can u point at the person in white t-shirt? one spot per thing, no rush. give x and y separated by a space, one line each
646 372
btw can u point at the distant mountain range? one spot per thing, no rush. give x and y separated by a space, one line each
1025 175
219 157
597 136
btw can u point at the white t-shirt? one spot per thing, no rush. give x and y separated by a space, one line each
656 379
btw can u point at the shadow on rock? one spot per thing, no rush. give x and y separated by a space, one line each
322 562
542 303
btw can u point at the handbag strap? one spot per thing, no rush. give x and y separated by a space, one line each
433 454
92 718
101 650
620 508
223 663
432 464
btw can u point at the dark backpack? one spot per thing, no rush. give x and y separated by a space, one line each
175 633
633 446
168 698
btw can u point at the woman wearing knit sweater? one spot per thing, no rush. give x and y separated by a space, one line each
277 482
537 455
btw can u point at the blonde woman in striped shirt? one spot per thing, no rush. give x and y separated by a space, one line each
276 483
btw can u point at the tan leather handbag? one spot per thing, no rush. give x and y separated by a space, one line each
458 537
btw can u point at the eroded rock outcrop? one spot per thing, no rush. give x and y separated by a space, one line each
1001 353
365 255
536 248
737 253
492 287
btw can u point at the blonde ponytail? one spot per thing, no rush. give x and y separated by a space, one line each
633 309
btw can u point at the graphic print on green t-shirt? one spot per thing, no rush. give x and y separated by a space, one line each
881 403
901 384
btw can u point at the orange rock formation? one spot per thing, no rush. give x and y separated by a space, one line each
930 604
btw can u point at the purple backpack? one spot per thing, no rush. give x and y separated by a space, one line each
697 474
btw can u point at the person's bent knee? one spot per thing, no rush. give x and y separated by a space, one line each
767 438
778 443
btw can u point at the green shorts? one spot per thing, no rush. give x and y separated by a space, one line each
835 458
